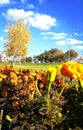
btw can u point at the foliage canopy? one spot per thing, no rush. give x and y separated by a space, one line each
56 55
18 38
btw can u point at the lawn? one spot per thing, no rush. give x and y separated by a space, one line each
34 66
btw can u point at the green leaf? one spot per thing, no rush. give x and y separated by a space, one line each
81 103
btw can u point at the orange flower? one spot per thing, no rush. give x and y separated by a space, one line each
66 86
12 75
62 98
19 81
72 70
3 76
25 78
41 85
31 95
31 86
44 79
15 103
14 80
4 93
23 91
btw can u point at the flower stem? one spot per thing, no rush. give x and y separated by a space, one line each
1 115
80 82
38 88
61 92
49 86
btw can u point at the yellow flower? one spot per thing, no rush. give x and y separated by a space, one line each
59 114
8 118
3 76
72 70
0 79
12 75
52 73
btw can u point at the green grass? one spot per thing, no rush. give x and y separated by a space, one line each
36 66
33 66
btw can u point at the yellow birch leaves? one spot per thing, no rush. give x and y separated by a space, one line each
18 38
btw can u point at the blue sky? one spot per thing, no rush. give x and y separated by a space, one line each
52 23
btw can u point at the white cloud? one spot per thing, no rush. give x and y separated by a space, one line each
42 21
55 36
14 14
76 44
22 1
76 34
74 41
37 20
45 38
31 6
61 43
4 1
47 33
5 30
1 38
80 47
58 36
26 3
41 1
69 41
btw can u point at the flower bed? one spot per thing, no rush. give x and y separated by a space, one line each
42 100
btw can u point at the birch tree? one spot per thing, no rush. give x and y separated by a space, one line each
18 39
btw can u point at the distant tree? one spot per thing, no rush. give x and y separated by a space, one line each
47 56
71 54
80 59
0 59
18 38
39 57
29 59
56 55
52 55
53 50
59 57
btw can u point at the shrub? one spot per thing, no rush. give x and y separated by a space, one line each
41 100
